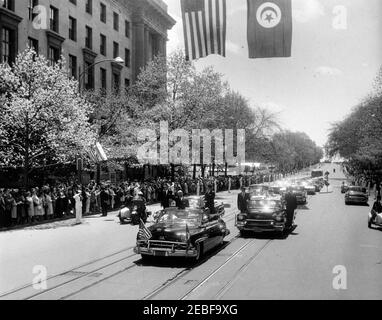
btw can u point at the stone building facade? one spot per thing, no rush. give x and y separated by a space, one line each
89 34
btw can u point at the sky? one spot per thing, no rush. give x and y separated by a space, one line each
331 69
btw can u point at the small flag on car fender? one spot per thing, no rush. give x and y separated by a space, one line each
144 233
269 28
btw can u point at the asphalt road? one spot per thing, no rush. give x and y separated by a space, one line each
95 260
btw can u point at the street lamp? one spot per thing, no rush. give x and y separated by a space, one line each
118 60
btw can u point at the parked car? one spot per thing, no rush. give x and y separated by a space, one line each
188 233
134 212
356 195
265 213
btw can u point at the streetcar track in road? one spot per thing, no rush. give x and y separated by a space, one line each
231 216
205 280
26 286
135 265
185 271
87 274
242 269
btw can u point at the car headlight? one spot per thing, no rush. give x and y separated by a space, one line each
241 217
182 236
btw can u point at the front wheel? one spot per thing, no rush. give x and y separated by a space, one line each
243 233
199 249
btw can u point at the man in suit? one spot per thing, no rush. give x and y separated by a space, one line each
291 206
210 199
166 197
242 201
104 196
181 202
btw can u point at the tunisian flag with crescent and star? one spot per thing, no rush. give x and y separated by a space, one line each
269 28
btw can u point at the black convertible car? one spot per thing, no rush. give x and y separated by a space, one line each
189 233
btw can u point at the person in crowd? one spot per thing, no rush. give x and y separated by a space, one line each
181 202
87 203
20 203
104 199
78 206
29 207
14 208
38 205
49 204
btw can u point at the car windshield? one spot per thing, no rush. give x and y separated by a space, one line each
183 217
264 204
357 189
298 188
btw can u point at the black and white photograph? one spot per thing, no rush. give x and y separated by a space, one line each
202 152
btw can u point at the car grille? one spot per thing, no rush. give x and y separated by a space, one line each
255 223
165 245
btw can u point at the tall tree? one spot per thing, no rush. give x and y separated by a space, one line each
43 117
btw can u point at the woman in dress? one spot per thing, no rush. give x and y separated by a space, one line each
29 207
49 205
38 205
78 206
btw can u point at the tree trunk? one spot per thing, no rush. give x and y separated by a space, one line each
194 173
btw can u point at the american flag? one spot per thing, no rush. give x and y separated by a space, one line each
144 233
204 26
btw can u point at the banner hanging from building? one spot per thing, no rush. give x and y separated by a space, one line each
269 28
204 26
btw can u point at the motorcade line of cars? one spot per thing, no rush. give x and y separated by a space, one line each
195 230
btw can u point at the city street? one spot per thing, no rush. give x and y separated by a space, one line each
95 260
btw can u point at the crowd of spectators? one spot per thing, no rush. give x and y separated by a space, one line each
44 203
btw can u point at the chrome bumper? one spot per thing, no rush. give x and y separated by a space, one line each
151 250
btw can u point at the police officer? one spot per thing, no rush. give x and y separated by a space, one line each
242 200
291 206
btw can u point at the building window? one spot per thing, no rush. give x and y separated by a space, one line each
72 29
9 4
102 48
54 19
127 58
103 13
89 76
103 79
127 83
31 5
53 55
116 81
89 38
89 6
33 43
115 50
5 45
116 21
127 29
73 66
